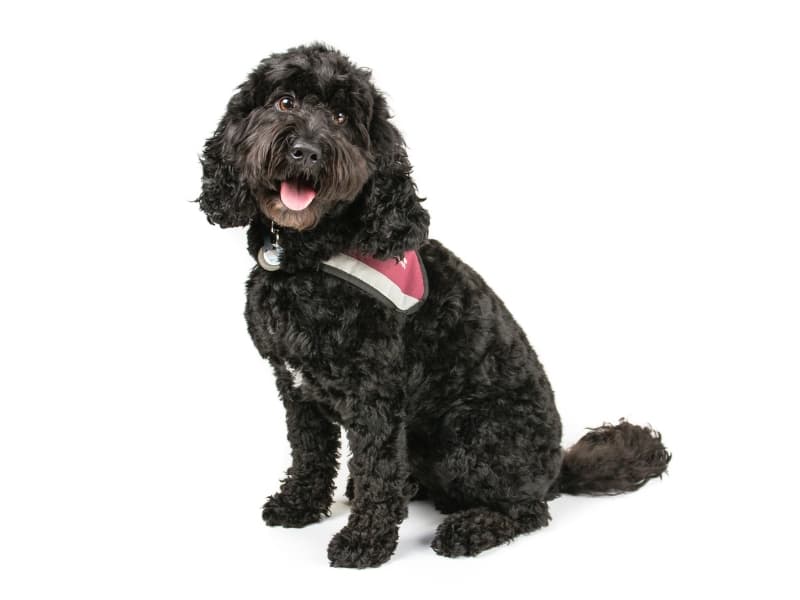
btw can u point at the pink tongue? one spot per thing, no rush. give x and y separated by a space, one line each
295 195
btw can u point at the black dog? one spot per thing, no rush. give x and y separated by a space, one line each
371 326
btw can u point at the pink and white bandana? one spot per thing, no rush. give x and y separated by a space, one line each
398 282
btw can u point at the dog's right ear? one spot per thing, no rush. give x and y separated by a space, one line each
226 198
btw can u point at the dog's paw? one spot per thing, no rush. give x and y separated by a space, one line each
283 511
360 549
470 532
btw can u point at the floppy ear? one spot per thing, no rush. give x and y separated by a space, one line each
226 198
393 219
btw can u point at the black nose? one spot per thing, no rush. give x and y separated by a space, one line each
305 153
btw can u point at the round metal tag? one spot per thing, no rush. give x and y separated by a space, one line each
270 257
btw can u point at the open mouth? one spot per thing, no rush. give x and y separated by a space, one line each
296 194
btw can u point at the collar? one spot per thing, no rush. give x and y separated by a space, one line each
400 283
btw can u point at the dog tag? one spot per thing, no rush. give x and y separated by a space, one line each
269 257
271 253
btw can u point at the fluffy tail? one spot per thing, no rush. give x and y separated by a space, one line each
612 459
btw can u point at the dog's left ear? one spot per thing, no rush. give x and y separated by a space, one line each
393 219
225 197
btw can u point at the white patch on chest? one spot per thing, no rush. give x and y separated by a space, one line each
297 375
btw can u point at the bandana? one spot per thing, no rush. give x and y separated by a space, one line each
400 283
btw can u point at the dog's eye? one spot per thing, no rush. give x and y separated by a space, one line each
340 118
285 103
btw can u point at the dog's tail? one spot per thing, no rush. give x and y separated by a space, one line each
612 459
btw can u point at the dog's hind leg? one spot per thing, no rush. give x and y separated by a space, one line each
470 532
494 464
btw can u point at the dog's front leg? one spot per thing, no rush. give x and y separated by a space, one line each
379 467
307 491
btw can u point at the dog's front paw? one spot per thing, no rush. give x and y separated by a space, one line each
288 511
360 549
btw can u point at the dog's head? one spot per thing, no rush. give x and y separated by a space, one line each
306 135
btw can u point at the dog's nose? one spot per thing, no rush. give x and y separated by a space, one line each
305 153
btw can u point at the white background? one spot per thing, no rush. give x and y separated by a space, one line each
625 176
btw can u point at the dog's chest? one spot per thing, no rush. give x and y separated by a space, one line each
315 324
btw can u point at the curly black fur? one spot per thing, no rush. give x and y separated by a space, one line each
449 403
